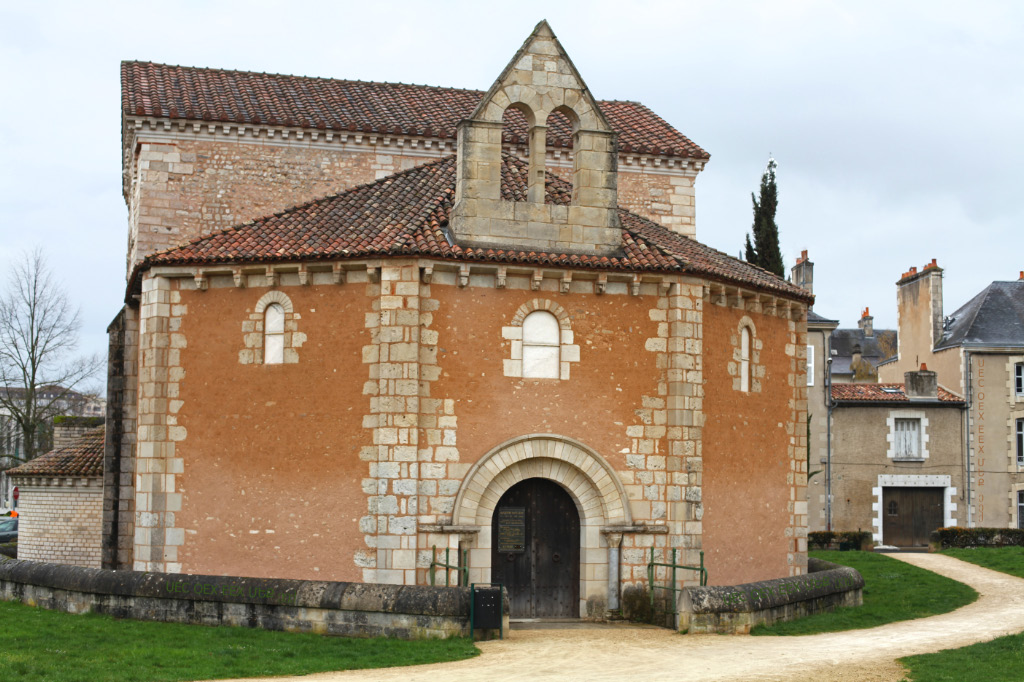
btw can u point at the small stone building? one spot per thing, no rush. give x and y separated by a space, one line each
897 459
366 320
61 500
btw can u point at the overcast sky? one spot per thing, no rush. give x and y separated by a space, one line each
897 126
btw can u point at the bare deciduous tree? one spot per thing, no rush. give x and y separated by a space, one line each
40 371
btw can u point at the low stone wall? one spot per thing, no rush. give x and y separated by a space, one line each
736 609
333 608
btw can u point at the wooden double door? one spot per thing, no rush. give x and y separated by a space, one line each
535 550
909 515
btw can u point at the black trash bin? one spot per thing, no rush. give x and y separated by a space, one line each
485 608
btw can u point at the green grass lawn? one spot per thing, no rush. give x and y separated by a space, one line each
893 591
1000 659
36 644
1004 559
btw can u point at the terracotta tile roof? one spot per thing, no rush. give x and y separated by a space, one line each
216 95
407 214
890 393
84 457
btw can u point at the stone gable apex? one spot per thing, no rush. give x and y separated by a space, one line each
538 81
556 72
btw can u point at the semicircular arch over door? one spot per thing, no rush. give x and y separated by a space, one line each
580 473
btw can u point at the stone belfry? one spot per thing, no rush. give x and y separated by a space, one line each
540 80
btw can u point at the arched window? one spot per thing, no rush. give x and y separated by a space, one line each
273 334
745 359
541 338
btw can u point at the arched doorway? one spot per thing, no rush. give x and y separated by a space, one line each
535 551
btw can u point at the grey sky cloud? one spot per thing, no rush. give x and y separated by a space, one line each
897 126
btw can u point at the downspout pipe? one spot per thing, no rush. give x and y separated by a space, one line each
828 456
968 450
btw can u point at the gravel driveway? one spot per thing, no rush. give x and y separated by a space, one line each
645 653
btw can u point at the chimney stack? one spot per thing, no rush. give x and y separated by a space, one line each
922 384
866 323
919 297
803 272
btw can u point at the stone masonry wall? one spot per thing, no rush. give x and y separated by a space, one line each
667 197
120 438
184 185
346 463
664 464
331 608
189 186
61 520
755 442
157 538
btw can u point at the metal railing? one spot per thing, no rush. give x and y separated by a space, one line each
672 586
462 569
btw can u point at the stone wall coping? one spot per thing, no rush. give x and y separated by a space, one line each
404 599
450 529
26 482
824 578
635 528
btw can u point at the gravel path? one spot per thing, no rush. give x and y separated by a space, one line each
645 653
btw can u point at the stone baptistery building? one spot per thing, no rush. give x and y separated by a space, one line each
367 319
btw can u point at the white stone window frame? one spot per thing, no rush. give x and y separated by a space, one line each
891 436
568 352
1018 440
748 372
949 505
809 365
1017 506
1017 377
253 330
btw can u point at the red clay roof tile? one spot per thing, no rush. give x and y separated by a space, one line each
216 95
407 214
883 393
84 457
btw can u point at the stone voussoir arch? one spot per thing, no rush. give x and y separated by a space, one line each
273 296
589 479
545 304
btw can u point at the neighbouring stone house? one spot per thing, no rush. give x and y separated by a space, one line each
364 319
819 349
857 353
61 499
897 459
978 350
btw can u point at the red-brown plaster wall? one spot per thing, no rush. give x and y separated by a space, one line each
273 447
594 406
746 455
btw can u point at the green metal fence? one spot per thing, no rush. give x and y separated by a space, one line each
461 569
672 586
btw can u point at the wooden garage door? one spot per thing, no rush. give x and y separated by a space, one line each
909 515
535 540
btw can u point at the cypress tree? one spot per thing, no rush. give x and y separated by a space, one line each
765 251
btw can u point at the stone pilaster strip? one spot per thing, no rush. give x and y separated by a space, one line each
157 500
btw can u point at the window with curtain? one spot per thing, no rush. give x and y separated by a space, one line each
907 439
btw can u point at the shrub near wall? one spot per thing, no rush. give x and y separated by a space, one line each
955 536
831 539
